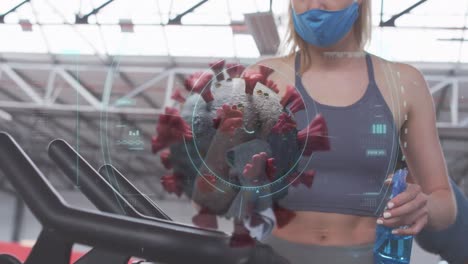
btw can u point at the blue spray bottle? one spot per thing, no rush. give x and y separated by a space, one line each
390 248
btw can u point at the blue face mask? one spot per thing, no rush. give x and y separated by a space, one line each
324 28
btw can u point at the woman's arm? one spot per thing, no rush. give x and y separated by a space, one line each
423 153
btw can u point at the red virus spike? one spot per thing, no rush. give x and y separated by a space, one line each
307 178
200 82
266 71
290 95
284 124
218 67
234 70
251 79
228 119
188 84
207 95
217 122
241 236
256 167
205 219
206 183
270 169
165 159
170 129
314 137
172 183
283 215
177 96
297 105
272 85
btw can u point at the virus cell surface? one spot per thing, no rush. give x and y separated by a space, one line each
234 147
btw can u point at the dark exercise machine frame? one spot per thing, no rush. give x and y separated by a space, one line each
113 236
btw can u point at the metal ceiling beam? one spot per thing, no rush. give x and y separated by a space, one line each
453 84
150 83
391 21
441 101
464 122
51 90
121 71
81 67
22 84
82 109
130 84
441 85
178 19
168 101
84 92
140 91
9 94
2 16
39 104
146 85
454 110
106 93
84 19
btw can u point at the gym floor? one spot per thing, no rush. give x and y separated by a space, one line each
179 210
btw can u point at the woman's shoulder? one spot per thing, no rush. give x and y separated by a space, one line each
406 79
405 72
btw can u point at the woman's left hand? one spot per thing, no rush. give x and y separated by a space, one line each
409 208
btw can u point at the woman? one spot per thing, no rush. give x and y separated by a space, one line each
371 106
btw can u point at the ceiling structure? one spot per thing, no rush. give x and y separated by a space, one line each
95 72
415 30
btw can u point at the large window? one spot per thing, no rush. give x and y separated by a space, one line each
433 31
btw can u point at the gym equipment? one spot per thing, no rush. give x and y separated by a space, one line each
101 193
99 190
141 202
7 259
96 187
154 240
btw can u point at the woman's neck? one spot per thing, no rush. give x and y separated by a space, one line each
341 53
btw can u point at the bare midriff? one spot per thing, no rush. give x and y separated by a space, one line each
328 229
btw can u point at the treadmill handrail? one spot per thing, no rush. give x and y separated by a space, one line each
141 202
155 240
92 184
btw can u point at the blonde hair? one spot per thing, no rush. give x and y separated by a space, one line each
293 42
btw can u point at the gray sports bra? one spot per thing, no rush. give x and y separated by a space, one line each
364 149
